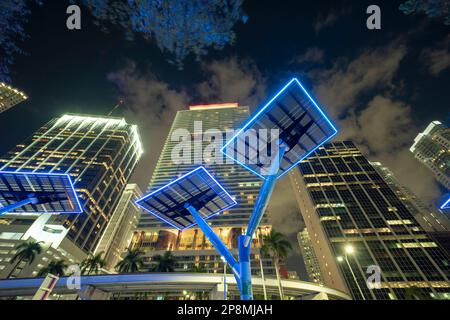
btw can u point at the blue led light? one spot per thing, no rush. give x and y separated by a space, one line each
78 207
142 200
261 111
446 204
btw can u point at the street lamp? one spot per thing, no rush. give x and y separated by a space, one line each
349 249
224 277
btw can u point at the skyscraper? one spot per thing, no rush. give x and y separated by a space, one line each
432 148
360 228
117 236
9 97
429 218
309 257
190 247
99 153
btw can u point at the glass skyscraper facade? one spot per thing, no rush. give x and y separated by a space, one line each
432 148
99 153
117 236
190 247
345 202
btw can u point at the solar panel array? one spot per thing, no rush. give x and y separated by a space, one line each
295 119
197 189
55 192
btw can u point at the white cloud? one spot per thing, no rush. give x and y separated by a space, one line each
438 59
340 86
311 55
232 80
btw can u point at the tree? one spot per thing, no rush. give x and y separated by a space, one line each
179 27
132 262
92 264
55 267
164 263
26 251
432 8
277 247
14 15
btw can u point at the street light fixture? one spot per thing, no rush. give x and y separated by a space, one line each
349 249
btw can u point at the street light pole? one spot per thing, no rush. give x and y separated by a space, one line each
350 250
354 277
262 275
224 278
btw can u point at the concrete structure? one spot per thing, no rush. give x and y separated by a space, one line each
432 148
358 224
190 247
117 236
9 97
164 286
309 257
16 229
99 153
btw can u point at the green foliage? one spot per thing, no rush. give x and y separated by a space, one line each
276 245
27 251
56 268
132 262
432 8
92 264
163 263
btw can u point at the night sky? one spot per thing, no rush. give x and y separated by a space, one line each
381 87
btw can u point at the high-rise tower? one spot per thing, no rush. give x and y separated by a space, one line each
117 236
99 153
359 227
9 97
432 148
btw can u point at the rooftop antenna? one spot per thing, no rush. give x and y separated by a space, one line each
120 103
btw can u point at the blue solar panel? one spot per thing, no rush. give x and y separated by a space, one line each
446 204
55 192
299 123
198 189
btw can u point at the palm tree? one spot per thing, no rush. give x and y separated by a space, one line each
164 263
26 251
277 247
132 262
92 263
55 267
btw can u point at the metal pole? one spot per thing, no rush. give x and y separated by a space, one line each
19 204
264 195
224 280
354 277
262 275
245 242
216 242
246 274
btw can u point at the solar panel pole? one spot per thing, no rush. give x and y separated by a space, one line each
216 242
258 212
30 200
